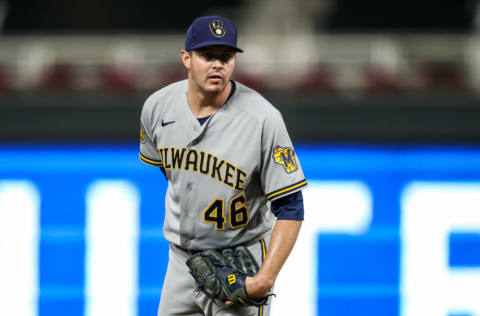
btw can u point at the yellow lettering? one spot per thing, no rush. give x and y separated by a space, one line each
192 159
228 174
216 169
231 279
240 184
165 157
177 157
205 165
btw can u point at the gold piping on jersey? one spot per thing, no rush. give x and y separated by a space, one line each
264 254
152 162
194 160
243 302
264 249
287 189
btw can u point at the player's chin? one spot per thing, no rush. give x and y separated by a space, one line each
215 87
215 82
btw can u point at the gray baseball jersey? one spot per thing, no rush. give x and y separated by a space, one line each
222 174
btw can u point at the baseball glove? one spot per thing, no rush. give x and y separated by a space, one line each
222 275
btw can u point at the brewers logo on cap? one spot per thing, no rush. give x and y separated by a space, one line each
217 28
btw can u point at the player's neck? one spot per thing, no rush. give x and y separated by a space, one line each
203 103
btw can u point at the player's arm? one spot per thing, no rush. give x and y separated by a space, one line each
282 178
289 212
283 239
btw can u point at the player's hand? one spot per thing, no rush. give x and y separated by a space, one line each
255 289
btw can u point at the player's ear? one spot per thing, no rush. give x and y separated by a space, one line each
186 58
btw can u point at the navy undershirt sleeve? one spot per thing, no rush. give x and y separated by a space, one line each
289 207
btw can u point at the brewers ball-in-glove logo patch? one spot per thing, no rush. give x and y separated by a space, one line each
143 136
285 156
217 28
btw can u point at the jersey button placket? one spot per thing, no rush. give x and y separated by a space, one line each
196 137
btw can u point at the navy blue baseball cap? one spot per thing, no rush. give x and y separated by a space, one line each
211 30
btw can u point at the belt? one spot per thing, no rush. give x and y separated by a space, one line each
191 252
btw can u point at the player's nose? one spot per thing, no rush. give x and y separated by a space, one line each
217 64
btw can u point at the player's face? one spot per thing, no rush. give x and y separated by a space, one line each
211 67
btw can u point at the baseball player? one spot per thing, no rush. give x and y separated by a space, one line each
233 176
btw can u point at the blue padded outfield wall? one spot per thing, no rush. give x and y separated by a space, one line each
388 231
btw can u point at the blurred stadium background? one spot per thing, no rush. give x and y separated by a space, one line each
381 99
